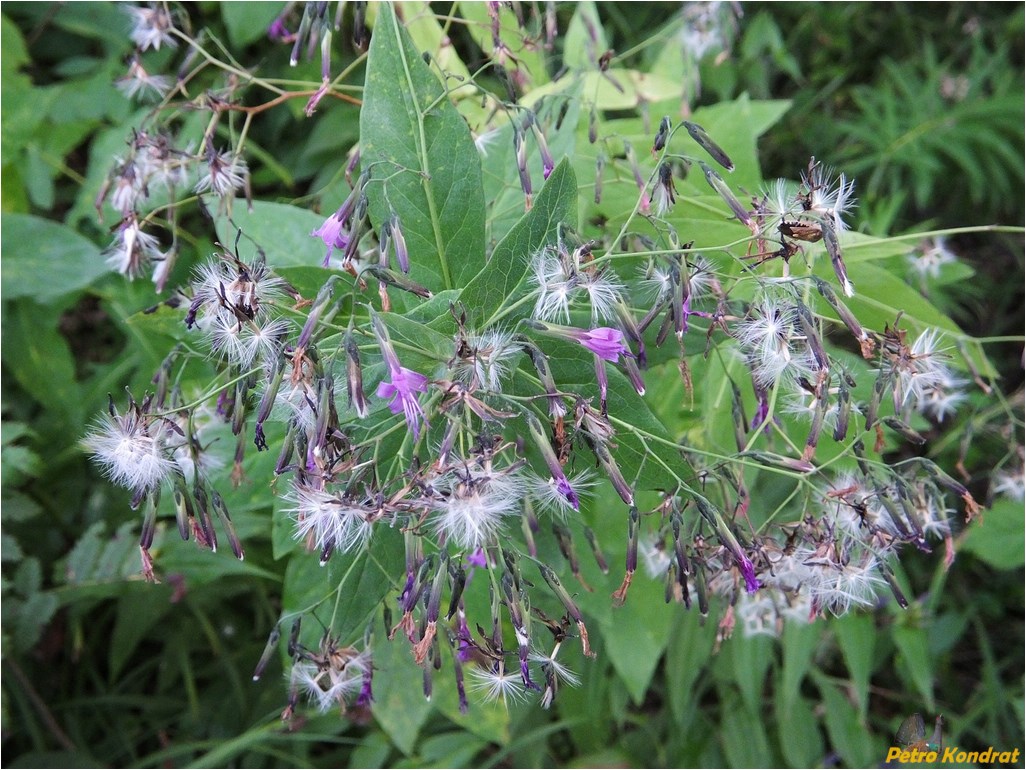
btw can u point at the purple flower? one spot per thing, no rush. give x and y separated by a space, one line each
401 392
337 230
366 696
567 491
477 559
604 342
278 31
333 234
748 570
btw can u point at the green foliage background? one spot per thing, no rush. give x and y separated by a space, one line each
100 669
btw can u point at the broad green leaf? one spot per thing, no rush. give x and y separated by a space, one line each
880 296
280 231
691 642
101 558
38 357
848 734
423 162
585 39
428 36
743 736
452 749
33 613
10 551
498 282
13 51
399 704
530 59
856 634
44 259
415 341
748 659
646 455
109 23
557 119
352 584
798 732
914 661
799 644
997 539
283 530
202 565
247 22
18 507
372 751
490 721
634 636
140 607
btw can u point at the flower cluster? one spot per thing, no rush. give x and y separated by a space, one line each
394 409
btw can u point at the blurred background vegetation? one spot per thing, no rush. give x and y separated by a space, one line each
922 103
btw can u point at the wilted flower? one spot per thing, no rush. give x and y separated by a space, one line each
138 81
133 249
225 174
930 256
495 684
152 26
332 676
330 520
562 276
132 448
665 193
830 198
487 360
769 338
473 503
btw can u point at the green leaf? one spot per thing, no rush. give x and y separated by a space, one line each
856 634
743 737
498 282
748 658
101 558
487 720
45 259
849 735
9 548
585 39
280 231
34 614
140 608
997 539
914 660
691 642
452 749
424 165
636 634
247 22
38 357
371 751
530 59
798 732
399 704
356 582
799 645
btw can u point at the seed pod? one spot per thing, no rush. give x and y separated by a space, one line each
269 648
662 134
706 143
716 182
